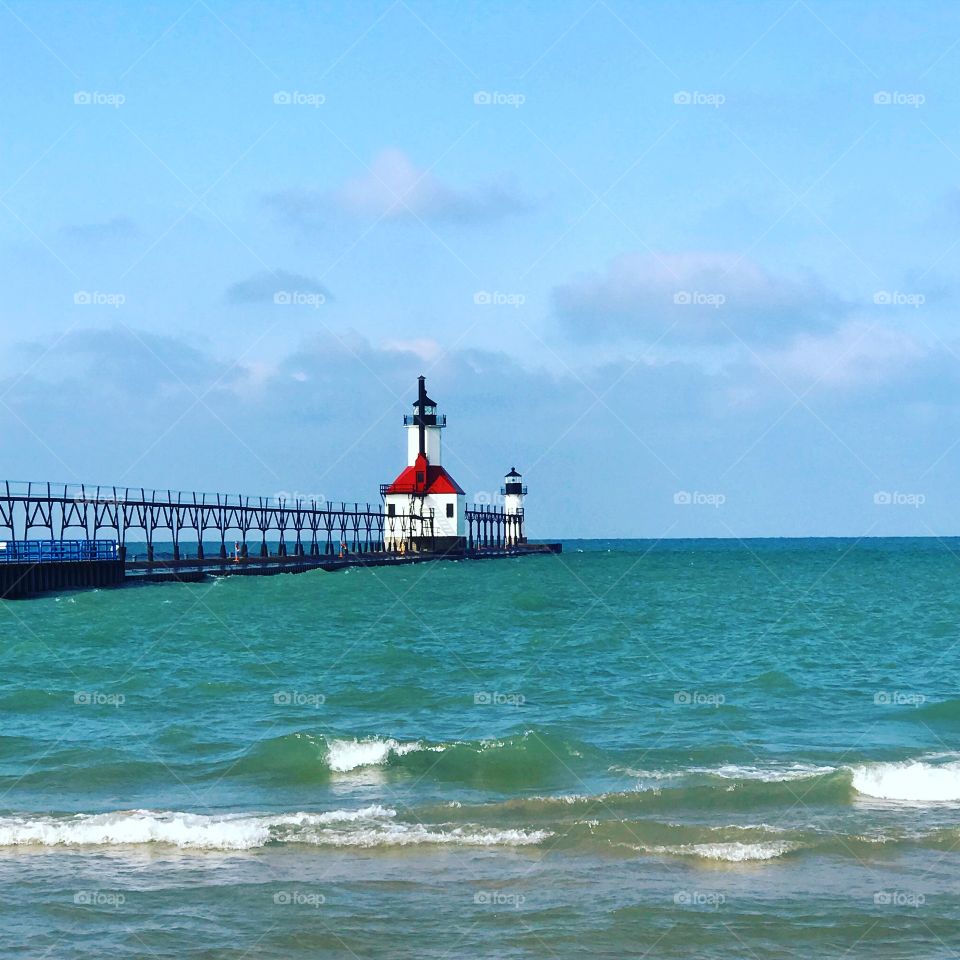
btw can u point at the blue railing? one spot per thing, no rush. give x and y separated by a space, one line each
56 551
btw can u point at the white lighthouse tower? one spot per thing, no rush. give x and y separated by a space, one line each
424 426
424 498
513 491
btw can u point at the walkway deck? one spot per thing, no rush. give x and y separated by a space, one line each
194 570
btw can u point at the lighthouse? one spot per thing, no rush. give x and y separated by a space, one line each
513 491
425 507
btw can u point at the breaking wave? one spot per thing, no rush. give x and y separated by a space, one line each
521 760
916 781
372 826
730 852
913 781
346 755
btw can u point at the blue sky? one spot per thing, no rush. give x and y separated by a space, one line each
650 253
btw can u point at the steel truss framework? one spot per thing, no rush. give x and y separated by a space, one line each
490 526
302 526
307 527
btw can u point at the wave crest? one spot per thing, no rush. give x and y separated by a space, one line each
521 760
913 781
730 852
371 826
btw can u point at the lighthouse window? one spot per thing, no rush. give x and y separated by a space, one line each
419 476
449 509
391 509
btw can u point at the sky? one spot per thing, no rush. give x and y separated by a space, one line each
689 266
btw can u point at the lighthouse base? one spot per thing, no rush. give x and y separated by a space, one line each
442 545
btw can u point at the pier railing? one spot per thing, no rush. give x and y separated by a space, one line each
300 525
491 526
56 551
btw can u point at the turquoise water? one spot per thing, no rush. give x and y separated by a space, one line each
686 749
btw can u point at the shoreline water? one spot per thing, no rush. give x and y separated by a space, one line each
588 753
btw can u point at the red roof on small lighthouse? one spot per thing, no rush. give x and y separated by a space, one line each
422 478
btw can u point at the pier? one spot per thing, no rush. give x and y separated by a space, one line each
218 534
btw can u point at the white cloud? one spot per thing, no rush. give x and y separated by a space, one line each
708 298
395 189
423 347
856 354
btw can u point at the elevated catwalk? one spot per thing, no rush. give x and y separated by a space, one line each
190 571
255 536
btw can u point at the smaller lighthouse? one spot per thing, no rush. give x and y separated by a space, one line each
513 491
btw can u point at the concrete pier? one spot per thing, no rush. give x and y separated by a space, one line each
28 579
195 570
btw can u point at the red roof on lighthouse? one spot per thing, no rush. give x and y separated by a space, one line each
422 478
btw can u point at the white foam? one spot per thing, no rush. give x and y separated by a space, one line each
346 755
186 830
773 773
912 781
402 834
371 826
136 827
730 852
345 816
649 774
